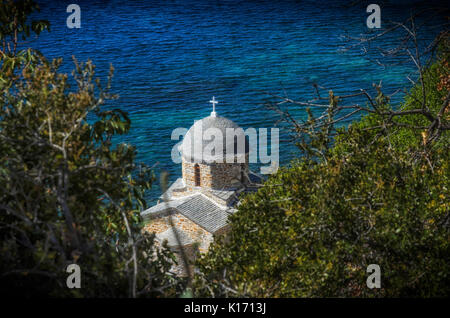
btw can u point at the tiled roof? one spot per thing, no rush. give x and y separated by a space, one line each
223 194
178 184
162 209
205 213
196 208
210 210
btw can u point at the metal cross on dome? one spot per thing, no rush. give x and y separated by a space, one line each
213 102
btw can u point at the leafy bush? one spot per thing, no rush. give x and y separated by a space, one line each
68 194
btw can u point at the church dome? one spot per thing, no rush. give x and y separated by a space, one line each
193 146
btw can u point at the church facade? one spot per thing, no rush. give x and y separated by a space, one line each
194 210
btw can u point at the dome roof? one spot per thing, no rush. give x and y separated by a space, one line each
193 145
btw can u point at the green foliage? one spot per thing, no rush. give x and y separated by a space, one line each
313 229
68 194
14 26
411 131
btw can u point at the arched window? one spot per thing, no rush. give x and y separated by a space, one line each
197 175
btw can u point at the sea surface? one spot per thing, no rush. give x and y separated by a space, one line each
171 57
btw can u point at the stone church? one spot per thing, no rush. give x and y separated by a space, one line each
198 204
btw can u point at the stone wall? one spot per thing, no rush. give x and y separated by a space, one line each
226 175
188 171
190 250
214 175
202 239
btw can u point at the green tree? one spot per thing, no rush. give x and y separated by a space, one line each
68 194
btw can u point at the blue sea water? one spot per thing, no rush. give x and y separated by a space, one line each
171 57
